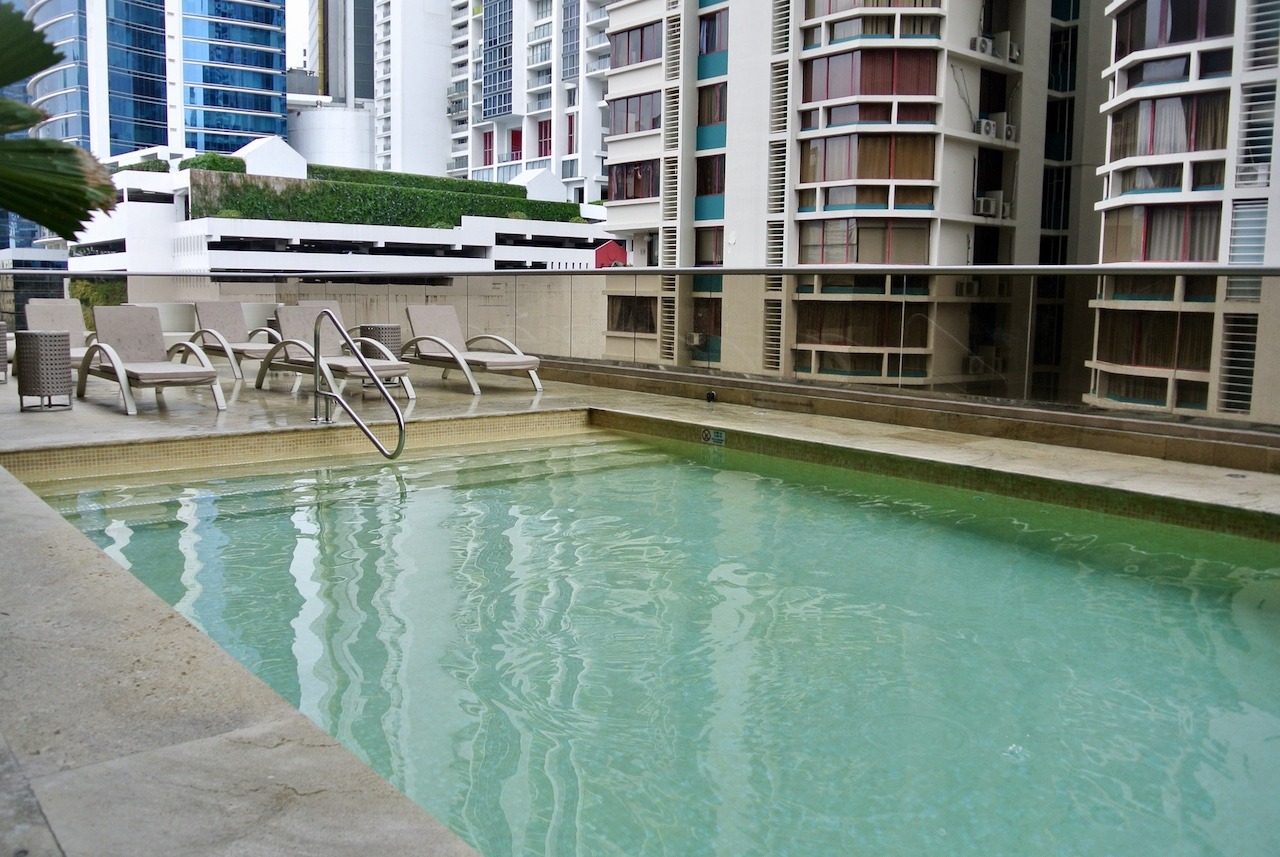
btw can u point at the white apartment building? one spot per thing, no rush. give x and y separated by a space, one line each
393 59
831 132
1189 179
525 91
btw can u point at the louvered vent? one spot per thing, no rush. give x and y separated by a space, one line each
670 187
667 331
1239 353
1257 127
777 201
781 26
671 119
773 243
1247 246
672 56
773 330
1262 28
670 253
779 105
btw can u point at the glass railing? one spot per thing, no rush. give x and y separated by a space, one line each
1182 344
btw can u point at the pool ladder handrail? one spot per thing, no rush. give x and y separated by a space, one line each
330 395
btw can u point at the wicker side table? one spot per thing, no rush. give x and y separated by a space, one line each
388 334
44 368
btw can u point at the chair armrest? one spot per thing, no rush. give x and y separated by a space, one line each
191 348
272 335
412 345
383 350
493 337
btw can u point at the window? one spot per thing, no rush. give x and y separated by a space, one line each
712 104
863 240
867 156
637 180
1162 233
710 175
1165 126
635 113
486 148
636 45
708 245
1153 23
632 314
544 138
870 72
571 134
713 32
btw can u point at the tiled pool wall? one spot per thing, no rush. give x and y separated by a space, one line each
339 440
1239 448
1242 522
346 441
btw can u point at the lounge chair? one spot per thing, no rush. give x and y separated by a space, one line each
222 330
61 314
438 341
295 352
130 350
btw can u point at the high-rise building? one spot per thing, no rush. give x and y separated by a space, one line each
207 75
767 133
524 92
1188 179
391 59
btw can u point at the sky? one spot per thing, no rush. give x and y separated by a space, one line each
295 22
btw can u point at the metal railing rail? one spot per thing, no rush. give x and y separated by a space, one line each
330 395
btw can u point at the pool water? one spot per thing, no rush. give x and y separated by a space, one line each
615 648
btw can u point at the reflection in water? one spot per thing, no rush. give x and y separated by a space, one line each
559 654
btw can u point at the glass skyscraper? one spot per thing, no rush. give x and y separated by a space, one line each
121 94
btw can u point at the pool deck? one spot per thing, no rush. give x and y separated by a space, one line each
124 730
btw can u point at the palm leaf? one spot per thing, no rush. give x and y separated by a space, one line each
53 183
23 51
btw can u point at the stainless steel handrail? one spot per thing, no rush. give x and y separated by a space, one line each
330 395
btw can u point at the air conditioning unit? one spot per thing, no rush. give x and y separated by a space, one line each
1011 133
967 289
1253 175
984 206
1006 210
1000 44
695 340
1015 52
985 127
981 44
972 366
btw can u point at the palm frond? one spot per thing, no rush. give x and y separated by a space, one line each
53 183
23 51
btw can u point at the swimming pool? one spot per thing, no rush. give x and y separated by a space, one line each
612 647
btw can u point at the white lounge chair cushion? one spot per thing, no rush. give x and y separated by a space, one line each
167 373
347 365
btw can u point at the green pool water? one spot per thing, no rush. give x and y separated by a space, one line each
615 648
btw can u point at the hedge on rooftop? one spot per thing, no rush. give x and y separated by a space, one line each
269 198
383 177
213 161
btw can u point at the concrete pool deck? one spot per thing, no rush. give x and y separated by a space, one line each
124 730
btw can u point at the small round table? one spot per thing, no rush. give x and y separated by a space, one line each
43 360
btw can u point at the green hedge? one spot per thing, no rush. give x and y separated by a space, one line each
343 202
213 161
409 180
92 293
143 167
